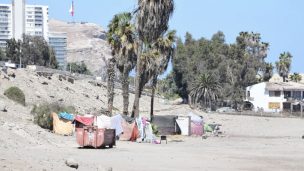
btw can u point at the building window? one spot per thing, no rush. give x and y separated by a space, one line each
287 94
274 93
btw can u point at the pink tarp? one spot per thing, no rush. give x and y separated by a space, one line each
197 129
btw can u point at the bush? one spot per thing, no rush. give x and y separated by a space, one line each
42 113
15 94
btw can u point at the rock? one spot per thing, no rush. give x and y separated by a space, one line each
303 137
71 163
109 169
100 168
177 101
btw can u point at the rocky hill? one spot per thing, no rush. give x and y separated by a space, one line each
86 42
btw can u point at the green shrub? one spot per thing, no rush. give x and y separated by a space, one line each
42 113
15 94
155 129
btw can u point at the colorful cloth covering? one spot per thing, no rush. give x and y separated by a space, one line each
85 120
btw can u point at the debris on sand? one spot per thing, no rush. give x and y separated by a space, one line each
71 163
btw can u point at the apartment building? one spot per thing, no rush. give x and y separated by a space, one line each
20 18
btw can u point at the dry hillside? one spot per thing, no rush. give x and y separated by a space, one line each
86 42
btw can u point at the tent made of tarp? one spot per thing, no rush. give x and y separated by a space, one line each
62 126
166 125
183 123
130 131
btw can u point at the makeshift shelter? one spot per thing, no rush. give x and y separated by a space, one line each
183 122
62 126
197 124
166 125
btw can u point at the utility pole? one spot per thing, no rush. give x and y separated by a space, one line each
20 57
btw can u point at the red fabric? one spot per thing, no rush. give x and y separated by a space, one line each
135 133
85 120
196 129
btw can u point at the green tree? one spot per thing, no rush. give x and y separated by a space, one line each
121 37
152 17
78 68
268 72
2 55
284 64
32 50
165 47
296 77
205 90
13 50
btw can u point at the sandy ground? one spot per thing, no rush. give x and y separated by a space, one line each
248 143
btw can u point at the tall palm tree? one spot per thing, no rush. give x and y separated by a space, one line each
152 22
206 90
165 46
284 64
296 77
121 37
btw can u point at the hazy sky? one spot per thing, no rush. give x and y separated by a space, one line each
280 22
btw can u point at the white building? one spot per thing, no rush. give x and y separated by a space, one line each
6 32
18 18
276 96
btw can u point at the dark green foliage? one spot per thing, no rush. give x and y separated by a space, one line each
78 68
295 77
15 94
33 50
42 113
13 50
2 55
235 66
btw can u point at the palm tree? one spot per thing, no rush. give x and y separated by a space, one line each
206 89
152 22
296 77
165 47
121 38
283 65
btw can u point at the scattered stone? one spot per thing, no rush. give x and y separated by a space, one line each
44 83
52 96
71 163
303 137
61 100
71 80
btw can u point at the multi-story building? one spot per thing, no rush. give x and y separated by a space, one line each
58 41
36 17
19 18
5 24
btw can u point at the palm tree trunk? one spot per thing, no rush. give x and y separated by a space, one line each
154 83
135 111
125 89
110 86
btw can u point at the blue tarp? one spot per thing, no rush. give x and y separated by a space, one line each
66 116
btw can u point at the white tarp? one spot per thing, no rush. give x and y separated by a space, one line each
184 125
195 118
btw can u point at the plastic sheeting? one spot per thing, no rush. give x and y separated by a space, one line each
166 125
184 125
